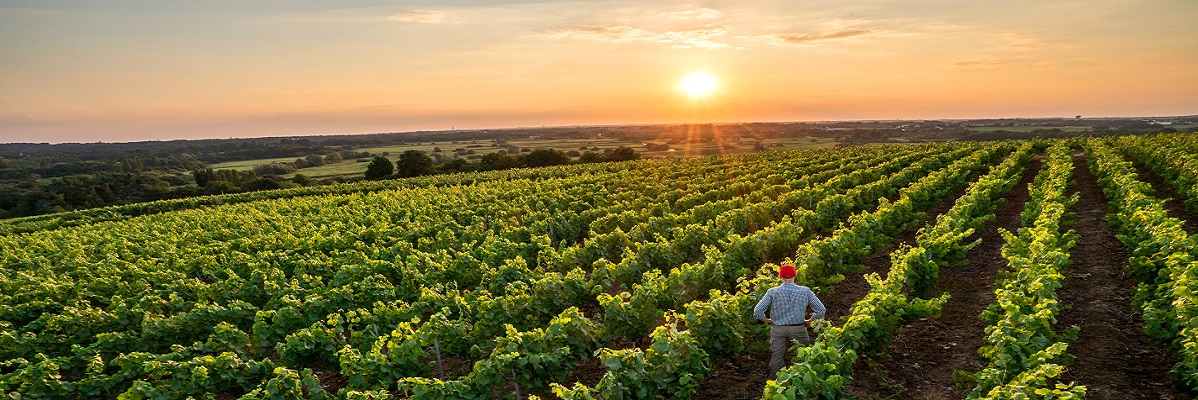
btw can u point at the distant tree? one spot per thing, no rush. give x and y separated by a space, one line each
590 157
436 149
413 163
203 176
235 177
495 161
221 187
175 179
379 168
274 169
623 154
544 158
268 183
573 153
261 184
314 160
302 180
657 147
455 165
333 158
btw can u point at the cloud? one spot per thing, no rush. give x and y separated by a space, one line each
1018 41
1005 61
703 37
985 62
18 119
420 16
1015 49
698 14
1025 42
796 39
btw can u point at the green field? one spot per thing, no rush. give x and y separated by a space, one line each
248 165
586 281
275 293
356 168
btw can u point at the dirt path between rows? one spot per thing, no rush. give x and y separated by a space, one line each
924 355
743 376
1114 358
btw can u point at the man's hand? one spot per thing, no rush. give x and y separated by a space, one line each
767 321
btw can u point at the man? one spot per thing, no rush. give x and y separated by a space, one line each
788 305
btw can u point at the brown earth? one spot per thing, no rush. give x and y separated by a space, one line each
1115 359
924 356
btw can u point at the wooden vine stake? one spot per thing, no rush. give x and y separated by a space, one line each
517 384
437 350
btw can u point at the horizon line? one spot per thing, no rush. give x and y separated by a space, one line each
452 129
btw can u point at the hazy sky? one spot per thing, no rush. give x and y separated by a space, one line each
138 70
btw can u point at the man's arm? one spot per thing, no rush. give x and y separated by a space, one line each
816 305
759 310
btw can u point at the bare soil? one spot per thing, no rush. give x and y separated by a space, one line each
740 377
1115 359
924 356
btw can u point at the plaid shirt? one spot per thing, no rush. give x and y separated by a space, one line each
789 303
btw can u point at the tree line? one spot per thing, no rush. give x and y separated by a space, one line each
31 196
413 163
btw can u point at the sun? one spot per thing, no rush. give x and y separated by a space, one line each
698 84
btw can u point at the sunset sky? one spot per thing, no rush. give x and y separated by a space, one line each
86 71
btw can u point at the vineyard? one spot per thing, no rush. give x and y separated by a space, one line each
994 270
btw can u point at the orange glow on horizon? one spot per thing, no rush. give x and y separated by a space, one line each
163 72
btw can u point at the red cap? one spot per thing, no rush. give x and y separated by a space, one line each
787 272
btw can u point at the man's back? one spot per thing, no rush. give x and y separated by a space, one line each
788 304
